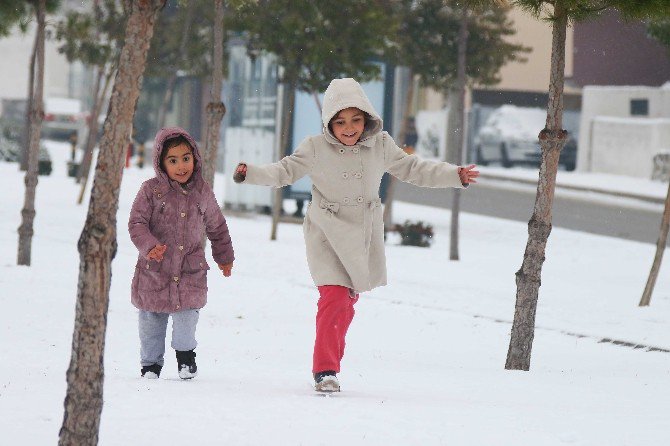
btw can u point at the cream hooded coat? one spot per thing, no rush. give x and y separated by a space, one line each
343 226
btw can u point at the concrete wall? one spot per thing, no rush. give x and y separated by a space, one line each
533 75
16 50
626 146
612 140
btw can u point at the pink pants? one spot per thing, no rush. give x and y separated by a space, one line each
333 317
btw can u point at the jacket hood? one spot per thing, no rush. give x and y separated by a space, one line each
345 93
167 133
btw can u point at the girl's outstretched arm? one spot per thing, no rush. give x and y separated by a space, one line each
420 172
286 171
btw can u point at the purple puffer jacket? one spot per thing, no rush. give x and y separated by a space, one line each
165 213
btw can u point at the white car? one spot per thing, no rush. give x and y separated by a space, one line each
62 118
510 136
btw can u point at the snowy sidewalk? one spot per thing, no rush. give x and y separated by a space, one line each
599 183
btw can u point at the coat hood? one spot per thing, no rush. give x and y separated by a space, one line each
345 93
167 133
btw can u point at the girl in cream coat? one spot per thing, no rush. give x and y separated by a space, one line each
343 226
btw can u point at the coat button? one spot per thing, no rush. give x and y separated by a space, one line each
183 192
183 214
359 199
175 278
345 200
355 149
181 247
147 266
201 265
341 150
358 175
345 175
159 195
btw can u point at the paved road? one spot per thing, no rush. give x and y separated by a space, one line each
618 217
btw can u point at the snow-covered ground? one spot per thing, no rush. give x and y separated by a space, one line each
425 354
609 184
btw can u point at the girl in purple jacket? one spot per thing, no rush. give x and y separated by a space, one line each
168 218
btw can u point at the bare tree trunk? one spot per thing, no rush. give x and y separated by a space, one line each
315 95
97 244
172 80
167 98
402 135
278 193
36 115
552 140
660 249
93 120
85 167
216 110
458 111
25 136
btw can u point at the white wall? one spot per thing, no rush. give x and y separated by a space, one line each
15 50
606 144
249 146
627 146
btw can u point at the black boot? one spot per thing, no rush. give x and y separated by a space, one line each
152 371
186 364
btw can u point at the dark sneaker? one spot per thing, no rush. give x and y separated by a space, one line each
326 381
152 371
186 364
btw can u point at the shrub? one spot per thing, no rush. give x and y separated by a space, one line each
415 234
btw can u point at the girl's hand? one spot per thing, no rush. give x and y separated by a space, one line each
157 253
240 173
227 269
467 174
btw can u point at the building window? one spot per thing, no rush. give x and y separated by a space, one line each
639 107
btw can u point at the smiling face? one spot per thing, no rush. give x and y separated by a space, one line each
348 125
178 163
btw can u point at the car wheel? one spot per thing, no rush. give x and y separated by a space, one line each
480 157
504 157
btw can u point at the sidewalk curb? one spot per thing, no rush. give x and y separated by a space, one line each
646 198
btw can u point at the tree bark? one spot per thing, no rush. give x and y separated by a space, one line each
459 129
85 167
315 95
660 249
402 135
36 115
92 122
552 140
25 135
172 80
97 244
278 193
216 110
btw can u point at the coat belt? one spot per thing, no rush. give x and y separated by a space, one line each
329 206
368 221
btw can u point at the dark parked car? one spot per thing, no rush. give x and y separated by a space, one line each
10 151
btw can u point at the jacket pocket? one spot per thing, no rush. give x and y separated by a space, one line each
194 271
194 263
149 275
